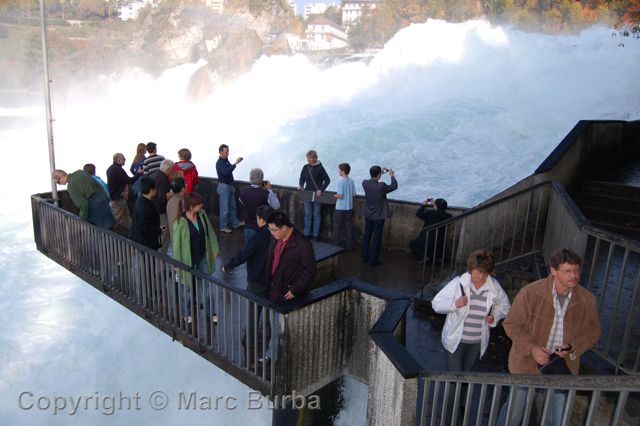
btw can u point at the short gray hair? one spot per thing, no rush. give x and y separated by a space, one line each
256 176
166 165
117 156
57 174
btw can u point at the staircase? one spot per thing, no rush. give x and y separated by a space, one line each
613 206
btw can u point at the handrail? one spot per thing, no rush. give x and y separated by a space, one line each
483 206
545 217
511 226
458 398
584 381
183 267
605 234
156 288
578 217
178 300
145 281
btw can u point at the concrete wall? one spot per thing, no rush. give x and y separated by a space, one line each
590 149
330 338
392 399
318 343
398 231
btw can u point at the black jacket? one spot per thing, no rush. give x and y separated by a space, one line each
117 180
163 186
145 227
254 253
319 175
432 216
296 269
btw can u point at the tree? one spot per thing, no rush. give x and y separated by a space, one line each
632 17
333 13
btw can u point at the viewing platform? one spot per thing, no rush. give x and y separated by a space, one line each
373 323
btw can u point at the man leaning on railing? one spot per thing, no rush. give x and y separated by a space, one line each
552 322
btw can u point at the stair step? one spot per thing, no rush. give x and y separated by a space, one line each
604 201
611 189
633 233
614 217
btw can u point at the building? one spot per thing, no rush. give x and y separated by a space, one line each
315 9
217 5
324 34
352 9
131 10
292 5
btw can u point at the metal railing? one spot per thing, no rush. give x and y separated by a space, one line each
543 218
178 299
612 273
510 227
614 278
490 399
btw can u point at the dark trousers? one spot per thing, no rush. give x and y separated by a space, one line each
343 224
255 322
372 240
461 360
464 357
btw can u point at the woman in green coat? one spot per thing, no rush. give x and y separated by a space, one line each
195 244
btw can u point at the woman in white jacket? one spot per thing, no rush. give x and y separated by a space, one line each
473 302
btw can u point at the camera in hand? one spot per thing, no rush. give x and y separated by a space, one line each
385 170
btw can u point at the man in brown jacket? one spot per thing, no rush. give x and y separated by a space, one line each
556 316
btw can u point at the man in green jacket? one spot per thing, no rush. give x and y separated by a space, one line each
88 196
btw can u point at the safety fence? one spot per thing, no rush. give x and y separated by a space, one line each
500 399
223 323
541 219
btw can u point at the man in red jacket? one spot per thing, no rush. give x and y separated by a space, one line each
291 264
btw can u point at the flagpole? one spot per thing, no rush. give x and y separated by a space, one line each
47 97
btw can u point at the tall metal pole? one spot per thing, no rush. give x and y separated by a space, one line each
47 97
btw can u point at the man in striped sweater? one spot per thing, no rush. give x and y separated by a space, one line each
152 162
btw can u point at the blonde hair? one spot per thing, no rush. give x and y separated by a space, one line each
140 150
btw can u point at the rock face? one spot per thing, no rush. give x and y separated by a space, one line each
171 35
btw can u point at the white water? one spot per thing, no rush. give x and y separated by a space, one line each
460 111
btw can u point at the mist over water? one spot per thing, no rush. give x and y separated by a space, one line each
460 111
487 102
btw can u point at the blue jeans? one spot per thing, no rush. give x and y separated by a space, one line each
517 409
372 240
311 208
227 201
248 233
272 351
185 291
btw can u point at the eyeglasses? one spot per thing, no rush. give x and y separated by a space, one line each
272 230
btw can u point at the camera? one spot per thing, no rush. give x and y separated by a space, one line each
385 170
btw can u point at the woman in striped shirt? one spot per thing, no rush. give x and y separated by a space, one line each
473 302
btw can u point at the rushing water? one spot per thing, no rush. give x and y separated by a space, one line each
460 111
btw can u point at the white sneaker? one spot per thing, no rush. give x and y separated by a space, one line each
239 225
226 231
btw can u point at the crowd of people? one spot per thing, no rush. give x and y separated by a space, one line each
160 183
551 322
